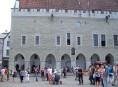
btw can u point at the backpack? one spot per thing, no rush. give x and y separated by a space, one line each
22 73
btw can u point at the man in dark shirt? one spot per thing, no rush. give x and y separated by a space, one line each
80 75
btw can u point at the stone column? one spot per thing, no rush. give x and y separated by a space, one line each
11 65
87 64
27 64
58 65
73 63
42 64
73 60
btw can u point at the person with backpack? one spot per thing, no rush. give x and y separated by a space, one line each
111 75
22 74
105 75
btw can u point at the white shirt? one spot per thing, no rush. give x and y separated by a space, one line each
50 71
2 71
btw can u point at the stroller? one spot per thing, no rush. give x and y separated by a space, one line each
56 79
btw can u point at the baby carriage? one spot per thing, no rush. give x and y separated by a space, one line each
56 79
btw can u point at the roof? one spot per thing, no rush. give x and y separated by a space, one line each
101 5
4 35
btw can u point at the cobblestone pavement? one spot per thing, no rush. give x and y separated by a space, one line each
66 82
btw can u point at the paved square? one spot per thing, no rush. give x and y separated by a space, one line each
66 82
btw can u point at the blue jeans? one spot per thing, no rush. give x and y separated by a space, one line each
105 82
36 75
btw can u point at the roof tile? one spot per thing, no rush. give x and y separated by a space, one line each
103 5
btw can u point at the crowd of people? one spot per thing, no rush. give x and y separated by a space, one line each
102 74
99 74
47 74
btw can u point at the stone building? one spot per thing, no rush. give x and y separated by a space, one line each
63 33
4 49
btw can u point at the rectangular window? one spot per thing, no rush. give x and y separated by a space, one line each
7 52
23 40
8 43
78 41
103 40
95 39
115 37
37 40
58 40
68 38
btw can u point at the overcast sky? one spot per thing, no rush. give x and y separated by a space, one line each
5 14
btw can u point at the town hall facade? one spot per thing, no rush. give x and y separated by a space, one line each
54 33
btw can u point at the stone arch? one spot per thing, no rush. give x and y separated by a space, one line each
109 59
50 61
34 61
19 62
81 60
94 58
66 61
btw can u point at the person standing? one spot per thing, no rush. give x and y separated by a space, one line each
97 75
6 72
80 75
102 70
36 72
2 74
14 74
22 74
90 74
115 71
105 75
46 71
50 75
64 71
42 74
27 74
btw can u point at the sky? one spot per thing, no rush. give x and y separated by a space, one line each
5 14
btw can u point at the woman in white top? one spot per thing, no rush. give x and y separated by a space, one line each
97 75
49 75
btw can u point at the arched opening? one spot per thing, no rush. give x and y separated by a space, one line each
19 62
50 61
94 58
66 62
17 67
34 61
109 59
81 60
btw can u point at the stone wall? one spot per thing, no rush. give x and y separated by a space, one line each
49 28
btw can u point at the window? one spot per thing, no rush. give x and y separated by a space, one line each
8 43
95 39
115 37
68 38
23 40
7 52
103 42
58 40
37 40
78 41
